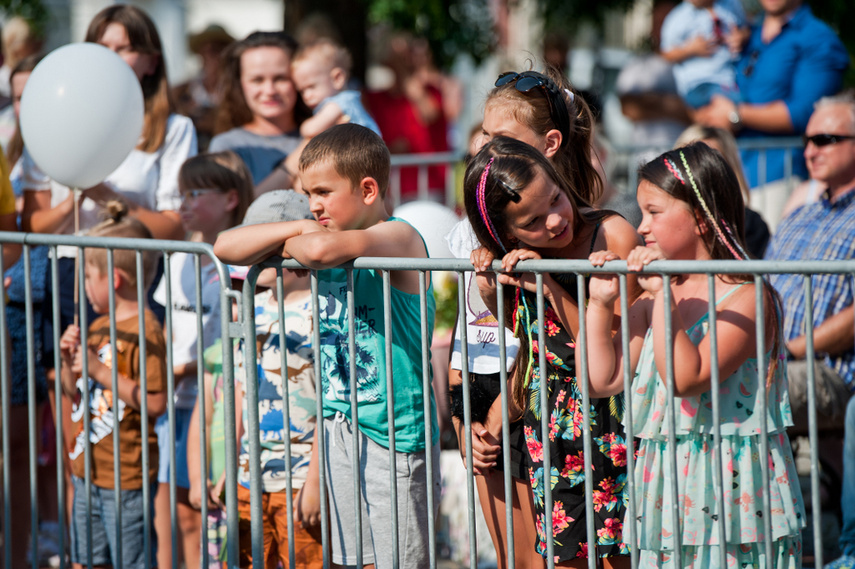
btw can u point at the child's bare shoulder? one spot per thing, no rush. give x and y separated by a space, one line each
620 235
396 238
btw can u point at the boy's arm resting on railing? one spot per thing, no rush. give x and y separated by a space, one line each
836 335
252 244
325 248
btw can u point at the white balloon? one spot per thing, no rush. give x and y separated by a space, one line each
433 221
81 114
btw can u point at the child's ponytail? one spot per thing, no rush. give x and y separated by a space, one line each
573 159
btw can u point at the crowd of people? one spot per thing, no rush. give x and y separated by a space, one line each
295 163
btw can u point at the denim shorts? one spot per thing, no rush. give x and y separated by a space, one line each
182 426
104 535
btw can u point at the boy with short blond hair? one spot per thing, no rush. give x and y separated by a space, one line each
345 172
125 358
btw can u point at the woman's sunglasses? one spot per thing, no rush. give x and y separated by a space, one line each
826 139
528 80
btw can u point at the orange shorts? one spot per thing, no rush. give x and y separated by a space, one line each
307 548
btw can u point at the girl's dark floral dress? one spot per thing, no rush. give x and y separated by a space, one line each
567 468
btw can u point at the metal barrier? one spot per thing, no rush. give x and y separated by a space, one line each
246 331
139 246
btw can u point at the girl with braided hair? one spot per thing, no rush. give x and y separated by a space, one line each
693 210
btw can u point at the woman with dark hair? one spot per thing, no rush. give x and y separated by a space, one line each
260 115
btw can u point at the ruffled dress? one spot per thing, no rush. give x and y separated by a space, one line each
740 398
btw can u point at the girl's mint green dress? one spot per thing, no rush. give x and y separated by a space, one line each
741 394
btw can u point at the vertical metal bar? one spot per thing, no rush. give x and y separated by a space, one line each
450 196
427 390
57 387
252 419
201 394
423 182
170 409
390 413
31 402
587 451
5 385
230 418
672 421
506 428
87 410
114 387
354 413
813 433
395 185
286 415
319 408
762 407
467 423
144 417
715 392
544 425
630 528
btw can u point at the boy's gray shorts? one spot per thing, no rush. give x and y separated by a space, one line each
376 499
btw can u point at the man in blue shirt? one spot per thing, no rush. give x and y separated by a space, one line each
825 230
791 60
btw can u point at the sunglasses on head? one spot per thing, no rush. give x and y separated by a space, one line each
528 80
826 139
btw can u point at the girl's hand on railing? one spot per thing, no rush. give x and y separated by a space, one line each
603 288
481 258
639 258
522 280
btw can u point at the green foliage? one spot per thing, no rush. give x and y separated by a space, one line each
445 294
567 15
451 27
840 14
32 10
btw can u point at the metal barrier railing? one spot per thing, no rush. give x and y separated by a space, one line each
246 331
139 246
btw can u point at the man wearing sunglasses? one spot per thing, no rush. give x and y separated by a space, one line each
825 230
791 60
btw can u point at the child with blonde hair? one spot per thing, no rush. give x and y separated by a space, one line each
320 71
133 376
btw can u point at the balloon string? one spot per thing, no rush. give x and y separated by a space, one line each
76 192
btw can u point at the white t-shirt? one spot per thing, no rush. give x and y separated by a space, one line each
482 328
185 336
148 179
